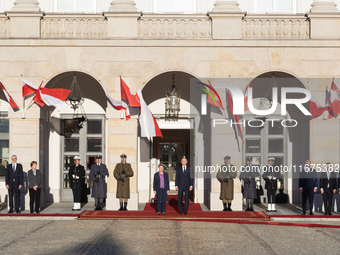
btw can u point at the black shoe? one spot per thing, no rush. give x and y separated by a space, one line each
121 207
185 213
158 213
163 213
37 212
125 204
274 210
251 209
224 207
229 209
268 210
180 213
17 211
10 211
325 213
304 213
329 213
31 212
311 213
76 209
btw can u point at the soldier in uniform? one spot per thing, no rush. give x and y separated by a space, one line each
122 174
248 174
270 176
98 174
226 177
77 175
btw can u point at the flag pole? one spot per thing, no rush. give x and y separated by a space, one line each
23 115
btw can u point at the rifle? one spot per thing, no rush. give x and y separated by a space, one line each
122 175
98 176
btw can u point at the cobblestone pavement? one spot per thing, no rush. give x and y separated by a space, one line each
161 237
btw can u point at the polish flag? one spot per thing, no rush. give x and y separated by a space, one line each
28 88
148 123
233 117
128 98
51 97
10 100
333 101
246 108
214 98
118 105
314 106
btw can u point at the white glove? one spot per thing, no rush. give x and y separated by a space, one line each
270 177
274 178
77 177
73 176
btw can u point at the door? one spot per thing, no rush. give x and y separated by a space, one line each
87 142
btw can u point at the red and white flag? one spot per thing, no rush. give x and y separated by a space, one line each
118 105
51 97
314 106
235 118
128 98
10 100
246 108
214 98
148 123
333 101
28 88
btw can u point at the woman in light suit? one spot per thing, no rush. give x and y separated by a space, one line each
34 186
161 188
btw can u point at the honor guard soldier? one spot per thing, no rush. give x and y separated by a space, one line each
248 174
77 177
226 177
270 177
122 174
98 175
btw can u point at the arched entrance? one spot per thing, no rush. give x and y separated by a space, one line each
64 139
288 145
177 138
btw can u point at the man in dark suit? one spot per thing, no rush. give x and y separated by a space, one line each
308 186
14 181
328 188
183 183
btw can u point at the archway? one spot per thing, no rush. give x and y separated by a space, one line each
63 139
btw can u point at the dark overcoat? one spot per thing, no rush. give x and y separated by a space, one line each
249 189
99 187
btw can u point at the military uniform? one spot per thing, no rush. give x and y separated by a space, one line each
77 178
270 177
98 175
123 182
249 185
226 177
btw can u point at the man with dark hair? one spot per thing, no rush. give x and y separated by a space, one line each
328 188
308 186
14 181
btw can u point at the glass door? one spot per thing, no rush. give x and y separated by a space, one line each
86 142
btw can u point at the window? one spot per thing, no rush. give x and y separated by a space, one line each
283 6
75 5
183 6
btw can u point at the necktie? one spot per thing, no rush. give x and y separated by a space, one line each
183 169
13 168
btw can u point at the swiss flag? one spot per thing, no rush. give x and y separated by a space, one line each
333 101
51 97
10 100
314 106
128 98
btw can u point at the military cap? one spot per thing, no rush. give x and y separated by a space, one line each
123 156
76 157
99 157
249 158
271 158
227 157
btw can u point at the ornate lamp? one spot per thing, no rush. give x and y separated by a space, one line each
76 101
172 102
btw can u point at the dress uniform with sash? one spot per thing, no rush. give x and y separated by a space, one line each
98 174
77 177
270 177
122 174
248 174
226 177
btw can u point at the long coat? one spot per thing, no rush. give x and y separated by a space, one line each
270 183
249 190
99 189
123 188
227 189
77 184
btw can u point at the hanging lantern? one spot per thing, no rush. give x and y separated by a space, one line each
172 102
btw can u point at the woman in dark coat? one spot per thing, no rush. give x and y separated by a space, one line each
34 186
161 188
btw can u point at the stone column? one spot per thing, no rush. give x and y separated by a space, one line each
324 6
324 20
226 20
226 6
122 19
25 19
